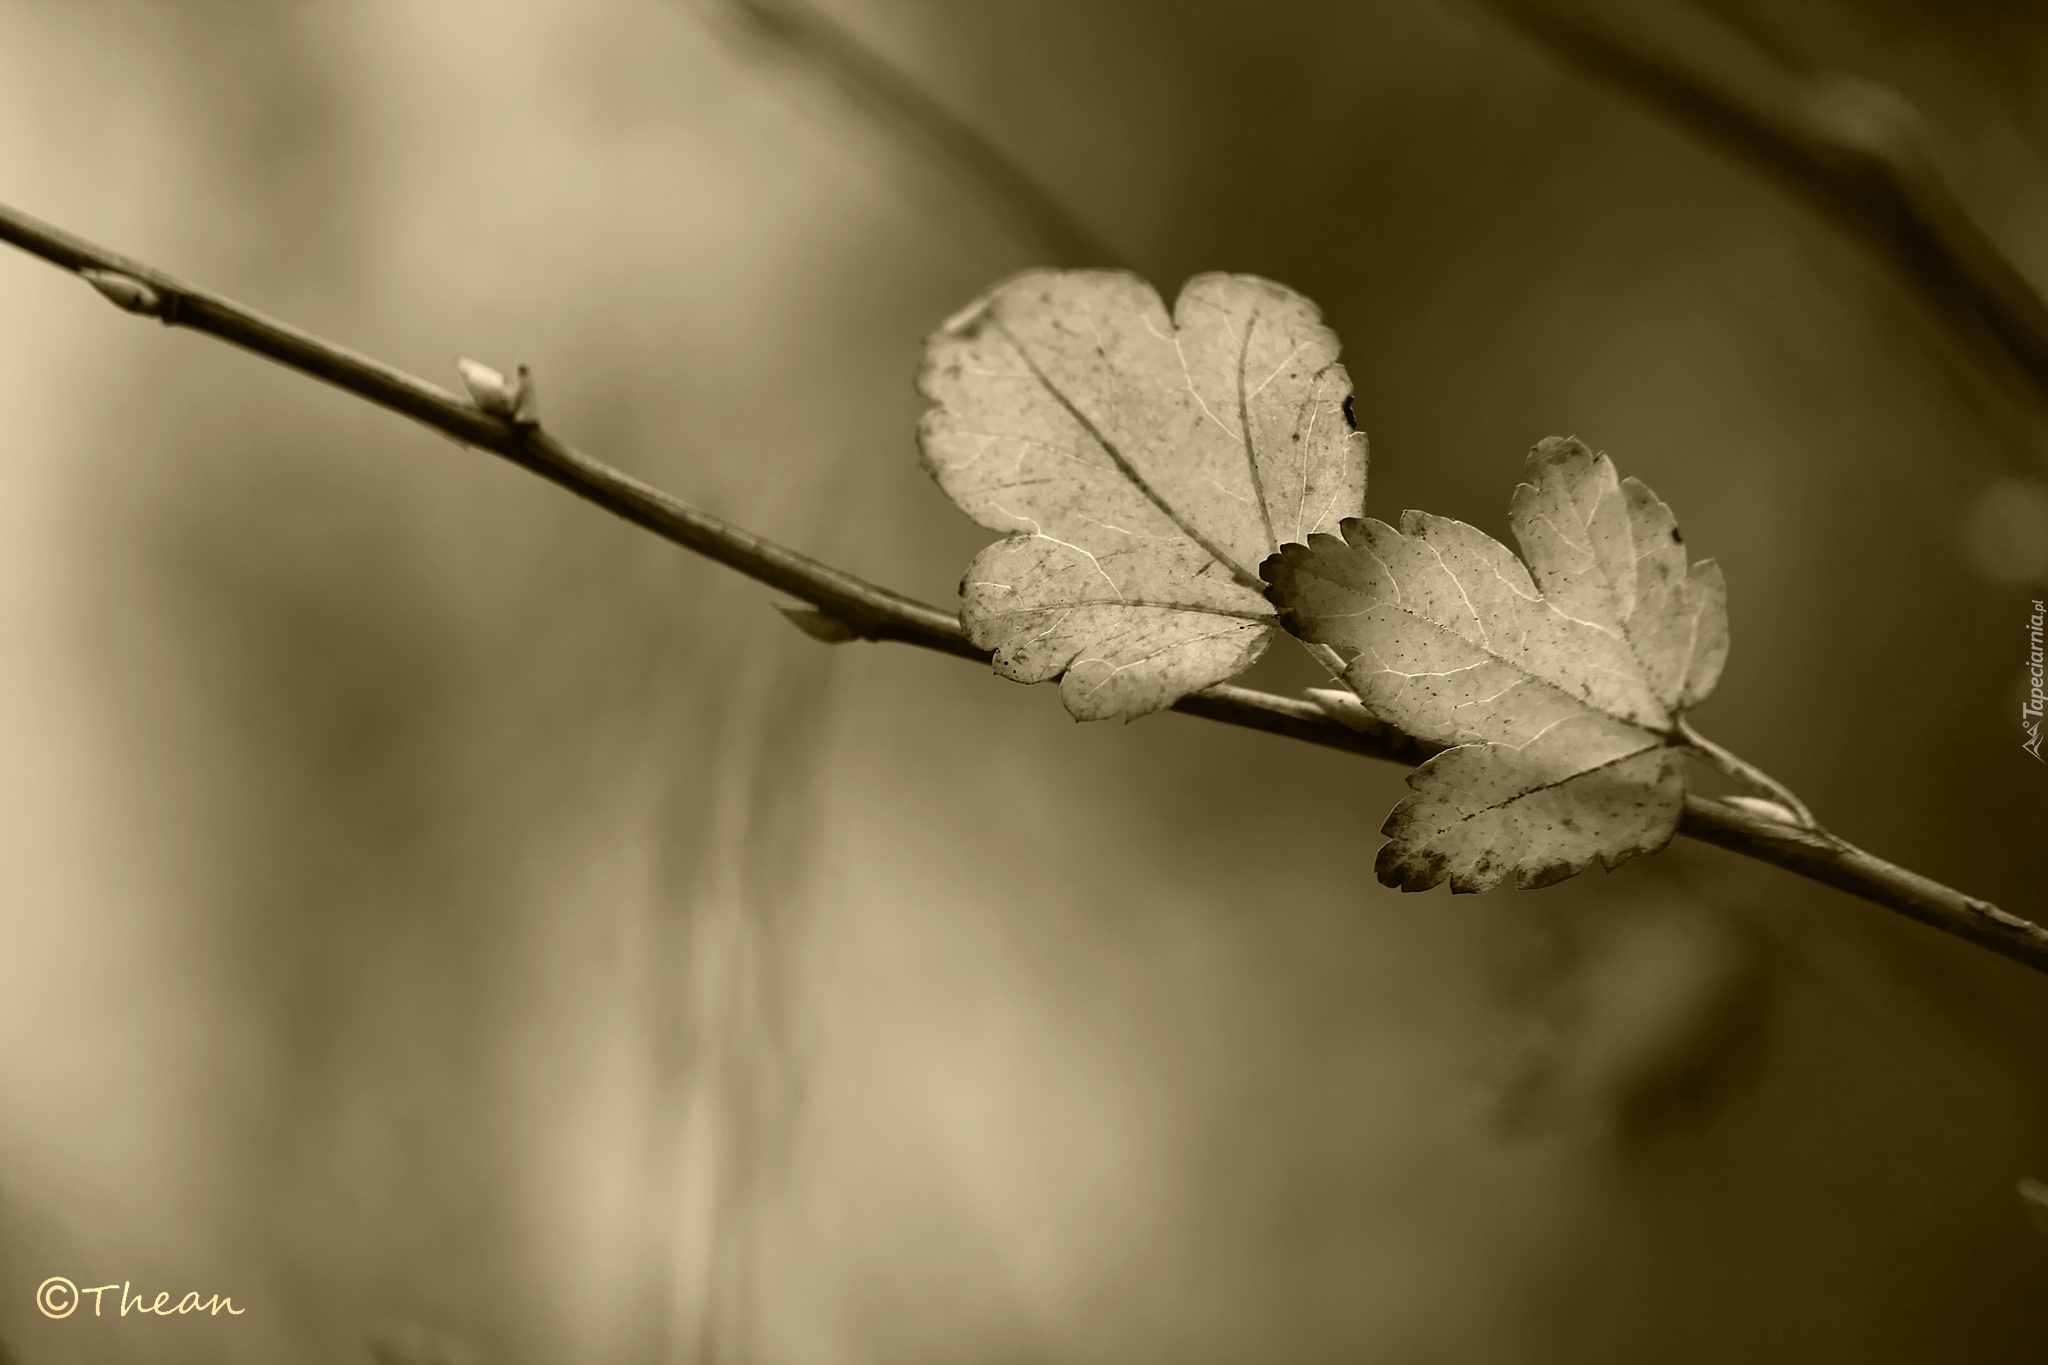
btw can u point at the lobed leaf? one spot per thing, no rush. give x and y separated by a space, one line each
1556 685
1143 466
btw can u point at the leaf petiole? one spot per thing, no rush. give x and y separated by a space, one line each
1744 772
1332 662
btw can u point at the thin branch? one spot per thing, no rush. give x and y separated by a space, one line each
905 110
871 612
1858 150
1825 858
875 613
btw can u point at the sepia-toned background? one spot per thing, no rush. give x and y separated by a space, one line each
466 929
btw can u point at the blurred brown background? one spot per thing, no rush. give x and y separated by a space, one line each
465 929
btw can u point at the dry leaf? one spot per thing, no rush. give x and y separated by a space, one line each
1559 683
1144 466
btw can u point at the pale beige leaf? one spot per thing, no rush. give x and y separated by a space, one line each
1482 813
1143 466
1609 552
1559 682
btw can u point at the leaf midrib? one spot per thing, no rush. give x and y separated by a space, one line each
1123 464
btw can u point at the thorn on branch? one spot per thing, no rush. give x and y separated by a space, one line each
512 399
126 292
817 624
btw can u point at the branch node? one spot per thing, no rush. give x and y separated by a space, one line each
1767 808
126 292
1346 709
1776 803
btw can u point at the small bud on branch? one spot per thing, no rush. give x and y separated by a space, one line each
816 624
125 292
512 399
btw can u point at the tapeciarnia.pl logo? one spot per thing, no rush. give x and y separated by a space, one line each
2030 711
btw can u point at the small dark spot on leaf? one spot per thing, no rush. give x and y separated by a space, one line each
1350 417
1676 539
